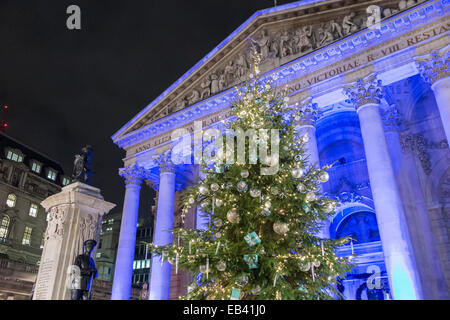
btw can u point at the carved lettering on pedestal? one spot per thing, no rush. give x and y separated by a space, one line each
46 271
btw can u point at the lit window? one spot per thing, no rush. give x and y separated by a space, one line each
99 254
51 175
11 201
134 264
42 241
26 240
36 167
108 229
33 210
147 264
111 221
65 181
14 156
4 228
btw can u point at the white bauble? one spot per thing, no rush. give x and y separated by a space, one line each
233 216
297 172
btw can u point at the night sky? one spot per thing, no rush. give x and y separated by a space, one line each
67 88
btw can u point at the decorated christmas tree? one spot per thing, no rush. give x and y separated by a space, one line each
264 211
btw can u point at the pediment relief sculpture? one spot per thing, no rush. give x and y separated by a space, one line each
277 45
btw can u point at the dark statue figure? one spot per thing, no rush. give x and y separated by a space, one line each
82 284
82 167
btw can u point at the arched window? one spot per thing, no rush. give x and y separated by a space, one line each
4 228
361 226
11 200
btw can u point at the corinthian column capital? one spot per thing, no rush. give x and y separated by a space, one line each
364 91
434 66
133 174
164 160
308 112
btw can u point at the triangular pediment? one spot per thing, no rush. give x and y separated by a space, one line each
281 34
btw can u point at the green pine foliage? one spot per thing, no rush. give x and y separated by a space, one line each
285 211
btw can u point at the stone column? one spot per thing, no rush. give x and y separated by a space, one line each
435 70
160 272
75 215
307 128
402 274
123 271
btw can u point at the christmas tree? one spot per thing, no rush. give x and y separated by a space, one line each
264 213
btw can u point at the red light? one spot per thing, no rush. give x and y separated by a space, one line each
5 124
6 107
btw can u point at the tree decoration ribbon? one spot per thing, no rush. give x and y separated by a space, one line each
252 260
252 239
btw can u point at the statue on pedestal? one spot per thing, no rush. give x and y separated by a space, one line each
82 284
82 167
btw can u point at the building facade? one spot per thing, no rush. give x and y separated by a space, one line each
26 178
372 79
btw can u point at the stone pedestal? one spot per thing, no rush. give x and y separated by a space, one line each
75 215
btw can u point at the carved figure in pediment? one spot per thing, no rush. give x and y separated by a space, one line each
347 24
229 72
402 5
214 84
336 28
206 90
325 36
275 46
222 82
194 97
410 3
263 44
181 104
241 66
285 44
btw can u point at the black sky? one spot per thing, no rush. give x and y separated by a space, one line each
69 88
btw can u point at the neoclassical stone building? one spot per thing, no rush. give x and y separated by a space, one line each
373 80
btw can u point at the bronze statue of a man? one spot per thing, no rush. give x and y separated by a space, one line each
82 287
82 167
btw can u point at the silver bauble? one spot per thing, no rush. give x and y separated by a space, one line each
241 186
244 174
305 266
214 187
219 202
274 190
280 227
323 176
202 189
233 216
217 222
204 203
218 235
221 266
267 204
266 212
316 263
301 187
242 280
255 193
191 200
297 172
203 268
